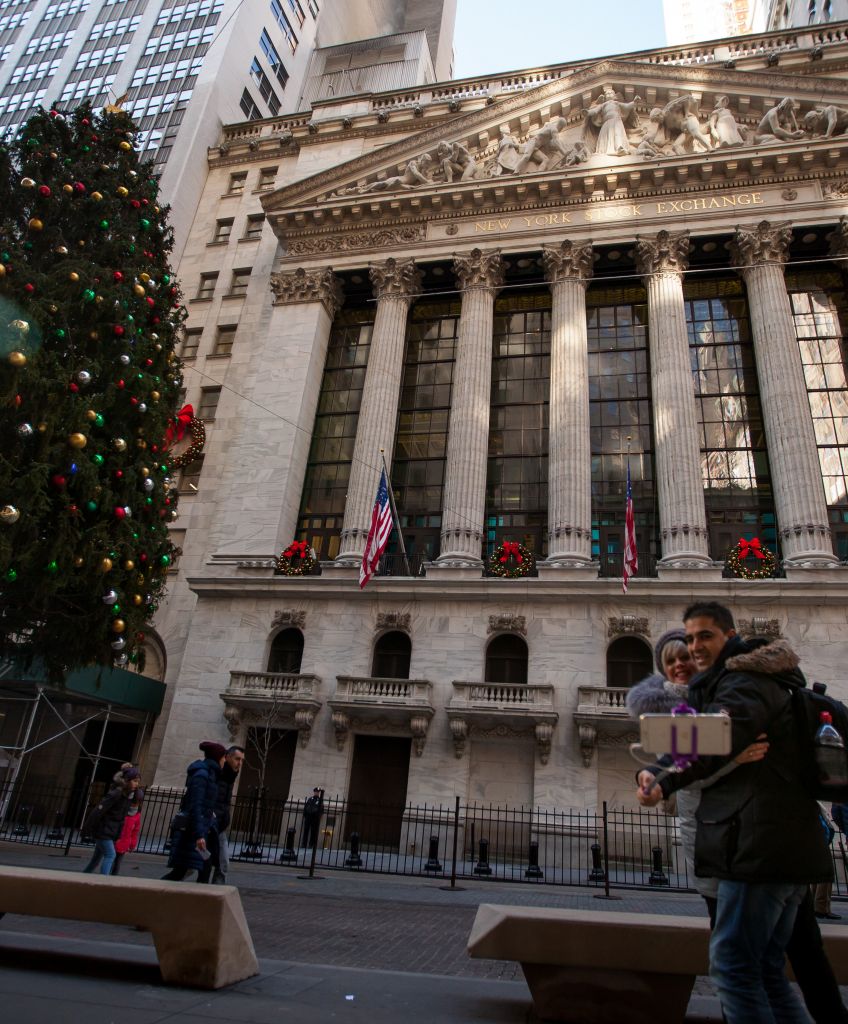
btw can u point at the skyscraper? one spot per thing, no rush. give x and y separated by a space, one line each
690 21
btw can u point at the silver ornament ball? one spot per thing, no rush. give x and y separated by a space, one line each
83 377
25 430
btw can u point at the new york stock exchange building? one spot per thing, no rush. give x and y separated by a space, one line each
510 288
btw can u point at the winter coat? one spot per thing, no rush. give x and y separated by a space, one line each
314 807
128 840
112 811
757 823
198 802
225 797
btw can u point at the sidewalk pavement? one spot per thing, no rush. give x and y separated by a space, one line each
345 946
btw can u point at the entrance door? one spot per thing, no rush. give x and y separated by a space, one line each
261 808
377 793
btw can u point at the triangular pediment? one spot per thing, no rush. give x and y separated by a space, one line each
614 128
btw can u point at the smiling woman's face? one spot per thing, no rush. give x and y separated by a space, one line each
677 664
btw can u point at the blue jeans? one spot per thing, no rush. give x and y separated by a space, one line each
754 922
104 850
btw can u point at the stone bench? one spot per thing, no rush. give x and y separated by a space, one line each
602 967
200 932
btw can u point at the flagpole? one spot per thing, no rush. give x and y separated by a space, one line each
394 512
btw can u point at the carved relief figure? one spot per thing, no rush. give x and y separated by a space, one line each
779 124
680 117
507 156
654 141
724 131
543 147
417 172
827 121
611 118
456 161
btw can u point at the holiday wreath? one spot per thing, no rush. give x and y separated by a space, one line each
763 567
512 560
296 560
186 422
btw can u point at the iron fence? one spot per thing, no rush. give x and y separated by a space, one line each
611 848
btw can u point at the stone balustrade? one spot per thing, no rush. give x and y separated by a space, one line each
602 717
494 696
279 684
603 700
273 699
406 704
512 708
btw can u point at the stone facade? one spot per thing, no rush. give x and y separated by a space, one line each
677 177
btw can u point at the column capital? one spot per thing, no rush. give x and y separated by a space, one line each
479 269
569 260
666 253
764 243
399 279
301 285
839 238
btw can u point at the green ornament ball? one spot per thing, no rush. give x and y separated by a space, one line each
104 224
91 506
116 608
88 295
60 333
12 575
97 459
165 560
99 421
145 224
53 566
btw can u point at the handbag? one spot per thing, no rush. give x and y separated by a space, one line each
180 821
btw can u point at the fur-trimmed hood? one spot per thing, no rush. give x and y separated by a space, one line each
655 695
771 659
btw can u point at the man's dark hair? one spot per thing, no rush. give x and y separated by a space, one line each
721 616
233 750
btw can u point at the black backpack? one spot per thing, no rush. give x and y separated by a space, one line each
807 705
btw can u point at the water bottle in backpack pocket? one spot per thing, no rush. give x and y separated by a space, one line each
821 726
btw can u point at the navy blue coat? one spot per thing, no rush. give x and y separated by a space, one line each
199 802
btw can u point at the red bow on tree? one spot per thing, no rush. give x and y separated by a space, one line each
750 547
510 547
177 428
297 547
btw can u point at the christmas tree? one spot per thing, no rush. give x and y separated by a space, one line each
89 381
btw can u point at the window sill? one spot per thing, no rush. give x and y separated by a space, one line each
219 355
248 238
259 191
218 244
201 298
234 295
231 195
188 359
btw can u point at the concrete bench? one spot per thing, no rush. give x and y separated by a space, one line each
200 932
602 967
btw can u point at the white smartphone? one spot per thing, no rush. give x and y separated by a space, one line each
685 735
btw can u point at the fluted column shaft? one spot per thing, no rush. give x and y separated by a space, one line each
396 284
480 274
799 500
683 522
568 267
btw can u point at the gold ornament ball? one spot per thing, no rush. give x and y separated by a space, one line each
9 515
17 359
68 188
91 415
145 472
79 561
129 565
53 309
141 444
42 428
27 183
21 326
105 564
35 224
73 276
140 580
93 335
118 625
98 299
137 599
138 289
154 396
125 146
123 192
97 196
144 277
2 270
119 444
61 250
77 440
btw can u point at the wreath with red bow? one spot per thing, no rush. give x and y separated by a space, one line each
185 423
763 565
511 560
296 560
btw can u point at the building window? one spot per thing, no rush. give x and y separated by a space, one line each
224 338
253 227
237 183
506 660
191 341
274 59
190 476
286 652
297 11
392 655
207 285
266 90
285 25
248 107
313 8
223 230
267 177
239 282
629 661
209 398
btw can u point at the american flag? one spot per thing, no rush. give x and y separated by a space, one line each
631 556
378 534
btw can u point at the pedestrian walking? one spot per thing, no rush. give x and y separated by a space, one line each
105 821
128 839
233 760
194 845
312 811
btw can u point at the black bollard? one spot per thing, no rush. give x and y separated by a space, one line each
289 853
57 832
658 876
482 865
533 869
433 856
354 860
22 828
597 873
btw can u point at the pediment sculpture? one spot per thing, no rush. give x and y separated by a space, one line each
610 128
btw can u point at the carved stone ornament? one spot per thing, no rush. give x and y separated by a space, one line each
666 253
568 261
308 286
303 719
398 279
341 726
839 237
479 269
289 617
394 620
765 243
379 238
628 625
607 122
233 718
418 725
826 121
835 189
459 731
508 624
759 626
544 733
588 740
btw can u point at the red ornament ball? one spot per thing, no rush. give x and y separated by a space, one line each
133 400
118 330
79 187
120 383
135 204
119 474
119 512
118 276
148 362
58 480
73 387
86 122
29 288
44 190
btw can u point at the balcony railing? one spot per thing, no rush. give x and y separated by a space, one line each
406 703
506 696
277 699
612 566
526 708
273 685
394 565
606 701
372 689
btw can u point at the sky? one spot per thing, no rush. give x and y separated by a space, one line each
505 35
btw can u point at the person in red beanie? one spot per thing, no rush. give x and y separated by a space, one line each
194 845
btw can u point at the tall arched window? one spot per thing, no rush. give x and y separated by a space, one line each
506 660
629 660
392 654
286 651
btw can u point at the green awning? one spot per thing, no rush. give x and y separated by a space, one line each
105 685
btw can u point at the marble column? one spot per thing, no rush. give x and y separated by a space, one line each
396 283
662 261
759 254
480 275
568 267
